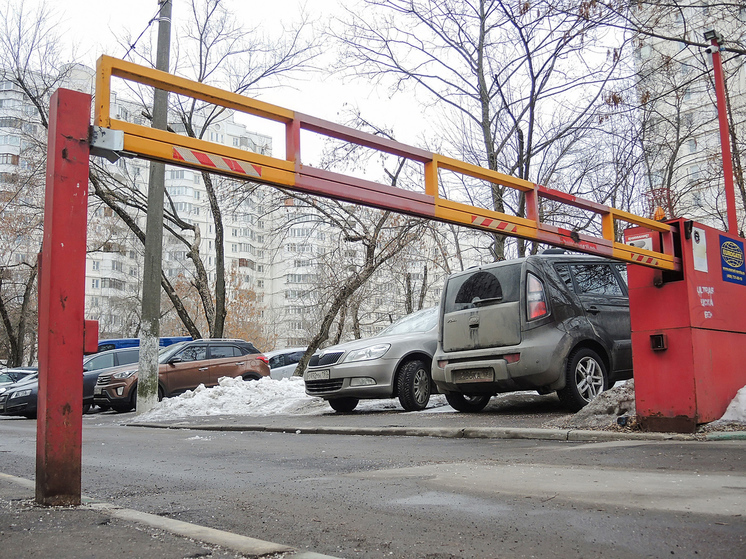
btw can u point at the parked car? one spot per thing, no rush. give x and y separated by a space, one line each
95 364
548 322
183 366
121 343
22 397
14 374
283 362
396 362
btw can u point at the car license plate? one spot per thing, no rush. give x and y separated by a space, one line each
474 375
323 374
98 390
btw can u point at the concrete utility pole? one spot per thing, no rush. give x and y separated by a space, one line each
147 383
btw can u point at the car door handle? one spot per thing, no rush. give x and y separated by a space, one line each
203 368
240 362
593 309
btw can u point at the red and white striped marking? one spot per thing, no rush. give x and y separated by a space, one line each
216 162
493 224
644 259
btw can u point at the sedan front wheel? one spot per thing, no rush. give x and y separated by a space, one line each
413 385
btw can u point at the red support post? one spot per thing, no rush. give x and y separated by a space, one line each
730 191
62 301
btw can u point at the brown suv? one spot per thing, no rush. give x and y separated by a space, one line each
183 366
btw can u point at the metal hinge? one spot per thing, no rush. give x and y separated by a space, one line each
106 143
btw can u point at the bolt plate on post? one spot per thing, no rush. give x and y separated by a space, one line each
106 143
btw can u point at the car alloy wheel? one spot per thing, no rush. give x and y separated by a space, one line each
585 379
413 385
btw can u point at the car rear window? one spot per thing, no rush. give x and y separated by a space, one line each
500 284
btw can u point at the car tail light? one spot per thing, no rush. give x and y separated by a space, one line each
512 357
535 298
262 357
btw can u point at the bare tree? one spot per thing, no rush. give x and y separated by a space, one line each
676 97
500 74
30 71
215 48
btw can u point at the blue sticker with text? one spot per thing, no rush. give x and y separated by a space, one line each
732 260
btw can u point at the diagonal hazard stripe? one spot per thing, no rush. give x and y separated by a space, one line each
216 162
644 259
493 224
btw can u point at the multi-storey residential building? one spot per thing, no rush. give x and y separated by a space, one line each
681 140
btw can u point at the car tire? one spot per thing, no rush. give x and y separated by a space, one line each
160 393
86 408
585 378
466 403
30 415
414 385
343 405
251 376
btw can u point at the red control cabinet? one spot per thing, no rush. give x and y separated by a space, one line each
688 329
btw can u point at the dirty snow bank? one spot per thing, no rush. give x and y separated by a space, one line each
288 397
234 396
603 412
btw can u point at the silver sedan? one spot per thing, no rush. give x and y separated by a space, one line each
394 363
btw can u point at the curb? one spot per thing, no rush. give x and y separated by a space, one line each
236 542
574 435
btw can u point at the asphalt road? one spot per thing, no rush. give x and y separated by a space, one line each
411 497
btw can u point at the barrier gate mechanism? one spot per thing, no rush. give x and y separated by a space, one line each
62 293
688 328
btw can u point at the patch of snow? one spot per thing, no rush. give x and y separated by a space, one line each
604 410
736 410
234 396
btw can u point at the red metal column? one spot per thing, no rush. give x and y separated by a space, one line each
730 190
61 302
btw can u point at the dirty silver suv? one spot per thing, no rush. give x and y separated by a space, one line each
547 322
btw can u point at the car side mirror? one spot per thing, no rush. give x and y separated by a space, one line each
175 360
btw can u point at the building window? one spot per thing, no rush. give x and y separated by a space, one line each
8 159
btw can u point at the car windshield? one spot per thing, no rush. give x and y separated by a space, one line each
421 321
167 352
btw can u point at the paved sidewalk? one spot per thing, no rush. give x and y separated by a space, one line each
96 529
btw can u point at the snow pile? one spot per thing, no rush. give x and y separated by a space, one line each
604 410
234 396
736 410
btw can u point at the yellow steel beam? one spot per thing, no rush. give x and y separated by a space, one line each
108 67
182 150
478 172
134 131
